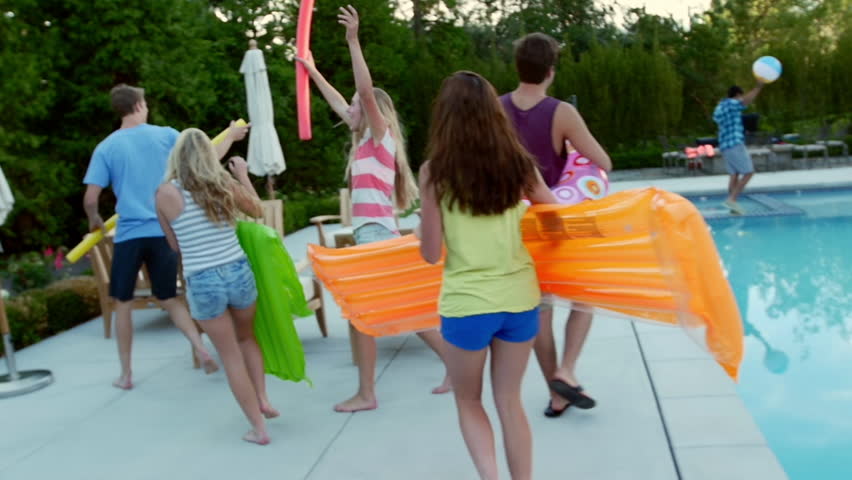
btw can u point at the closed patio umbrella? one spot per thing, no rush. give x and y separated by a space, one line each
15 382
265 157
6 199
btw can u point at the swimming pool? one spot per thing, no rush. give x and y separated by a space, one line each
791 271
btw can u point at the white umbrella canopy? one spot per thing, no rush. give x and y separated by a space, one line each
6 199
265 157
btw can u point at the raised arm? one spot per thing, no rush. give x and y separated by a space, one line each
430 231
235 134
749 97
244 193
348 17
574 128
335 100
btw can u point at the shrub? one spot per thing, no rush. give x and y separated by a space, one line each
38 313
27 315
84 286
27 271
65 309
300 208
648 156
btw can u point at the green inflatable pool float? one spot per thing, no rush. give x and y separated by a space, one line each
279 298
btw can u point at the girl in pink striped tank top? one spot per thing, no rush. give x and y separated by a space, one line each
380 180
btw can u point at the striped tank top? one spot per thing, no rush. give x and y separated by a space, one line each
203 244
373 174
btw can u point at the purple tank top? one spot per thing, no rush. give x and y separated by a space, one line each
535 127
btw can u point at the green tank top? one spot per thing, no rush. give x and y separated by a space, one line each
488 268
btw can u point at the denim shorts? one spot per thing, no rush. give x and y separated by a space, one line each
372 232
738 160
210 292
475 332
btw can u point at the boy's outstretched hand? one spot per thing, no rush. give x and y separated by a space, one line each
348 17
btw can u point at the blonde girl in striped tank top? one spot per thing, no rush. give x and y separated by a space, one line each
380 180
197 207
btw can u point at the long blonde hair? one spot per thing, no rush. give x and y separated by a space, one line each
404 185
195 165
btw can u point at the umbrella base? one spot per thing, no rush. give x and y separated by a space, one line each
27 381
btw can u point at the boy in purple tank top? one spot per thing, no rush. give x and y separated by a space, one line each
544 124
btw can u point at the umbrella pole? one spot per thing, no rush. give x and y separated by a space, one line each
270 186
15 382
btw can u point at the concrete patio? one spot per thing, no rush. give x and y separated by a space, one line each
666 410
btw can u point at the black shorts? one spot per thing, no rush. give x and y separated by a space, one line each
127 259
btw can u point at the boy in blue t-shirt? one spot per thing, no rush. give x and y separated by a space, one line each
728 115
132 160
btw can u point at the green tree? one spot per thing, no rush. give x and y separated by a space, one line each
74 52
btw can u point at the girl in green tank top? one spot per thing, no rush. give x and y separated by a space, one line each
471 189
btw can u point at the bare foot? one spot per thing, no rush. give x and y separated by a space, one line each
255 437
444 387
356 404
557 402
207 362
567 377
268 411
123 382
573 393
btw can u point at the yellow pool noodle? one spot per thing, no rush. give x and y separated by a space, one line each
218 138
92 239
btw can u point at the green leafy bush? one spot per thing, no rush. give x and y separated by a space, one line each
27 271
300 208
86 287
38 313
65 309
27 314
647 156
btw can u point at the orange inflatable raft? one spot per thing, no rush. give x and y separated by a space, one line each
642 254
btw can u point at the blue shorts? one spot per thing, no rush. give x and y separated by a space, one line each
153 252
738 160
210 292
372 232
475 332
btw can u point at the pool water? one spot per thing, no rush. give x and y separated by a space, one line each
792 277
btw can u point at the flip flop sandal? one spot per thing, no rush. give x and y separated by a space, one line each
551 412
574 395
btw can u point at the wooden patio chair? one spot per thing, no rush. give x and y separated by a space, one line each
101 258
345 235
273 216
143 297
342 237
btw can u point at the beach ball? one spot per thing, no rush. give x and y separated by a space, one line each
766 69
580 180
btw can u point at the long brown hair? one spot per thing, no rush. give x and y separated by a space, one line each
404 186
193 163
475 157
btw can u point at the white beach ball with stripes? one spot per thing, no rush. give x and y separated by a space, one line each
766 69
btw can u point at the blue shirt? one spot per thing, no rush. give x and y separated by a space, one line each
728 115
133 161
